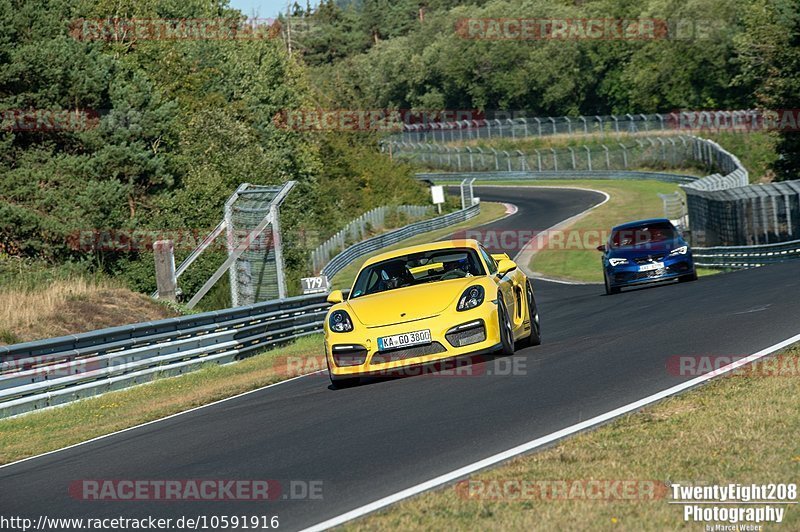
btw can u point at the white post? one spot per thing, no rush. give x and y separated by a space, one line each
166 281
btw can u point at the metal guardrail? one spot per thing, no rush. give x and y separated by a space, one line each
370 245
45 373
373 219
740 257
566 175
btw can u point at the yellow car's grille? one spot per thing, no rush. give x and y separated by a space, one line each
382 357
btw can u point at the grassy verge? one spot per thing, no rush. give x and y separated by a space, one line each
51 303
489 212
740 429
47 430
756 151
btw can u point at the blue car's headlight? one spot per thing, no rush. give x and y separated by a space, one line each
471 298
679 251
339 321
617 261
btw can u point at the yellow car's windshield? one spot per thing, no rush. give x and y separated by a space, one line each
417 268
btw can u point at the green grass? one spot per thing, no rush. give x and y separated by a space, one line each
489 212
738 429
756 151
30 274
43 431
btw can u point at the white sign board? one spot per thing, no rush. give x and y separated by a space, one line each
437 192
315 285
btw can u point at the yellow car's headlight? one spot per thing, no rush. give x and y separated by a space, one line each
471 298
340 321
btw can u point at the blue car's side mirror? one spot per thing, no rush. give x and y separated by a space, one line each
602 248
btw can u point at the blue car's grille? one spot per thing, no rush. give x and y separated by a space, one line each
649 258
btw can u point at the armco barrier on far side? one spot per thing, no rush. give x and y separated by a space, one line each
44 373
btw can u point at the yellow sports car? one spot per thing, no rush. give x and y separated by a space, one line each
426 303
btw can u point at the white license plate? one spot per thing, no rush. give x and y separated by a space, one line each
651 267
403 340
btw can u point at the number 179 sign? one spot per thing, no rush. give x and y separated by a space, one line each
315 285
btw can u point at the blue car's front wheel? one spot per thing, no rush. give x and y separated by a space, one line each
610 289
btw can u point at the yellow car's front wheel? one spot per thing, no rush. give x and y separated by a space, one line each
506 331
535 338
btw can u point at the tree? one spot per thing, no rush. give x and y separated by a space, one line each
769 51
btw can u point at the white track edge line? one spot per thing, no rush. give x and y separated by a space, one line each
146 423
544 440
526 254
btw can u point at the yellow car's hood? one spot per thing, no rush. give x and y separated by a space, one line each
409 303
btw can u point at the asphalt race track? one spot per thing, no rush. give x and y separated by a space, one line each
373 440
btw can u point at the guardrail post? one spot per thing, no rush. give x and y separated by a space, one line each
538 159
608 159
588 157
483 158
164 251
663 149
631 123
674 152
555 159
277 242
624 155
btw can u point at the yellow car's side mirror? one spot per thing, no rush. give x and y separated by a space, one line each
505 266
335 297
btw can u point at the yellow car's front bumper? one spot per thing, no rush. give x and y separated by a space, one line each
356 353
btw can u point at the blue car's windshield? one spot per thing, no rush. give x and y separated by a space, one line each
643 234
418 268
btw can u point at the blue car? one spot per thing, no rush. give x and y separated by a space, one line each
643 252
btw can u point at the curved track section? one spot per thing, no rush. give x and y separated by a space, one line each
371 441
